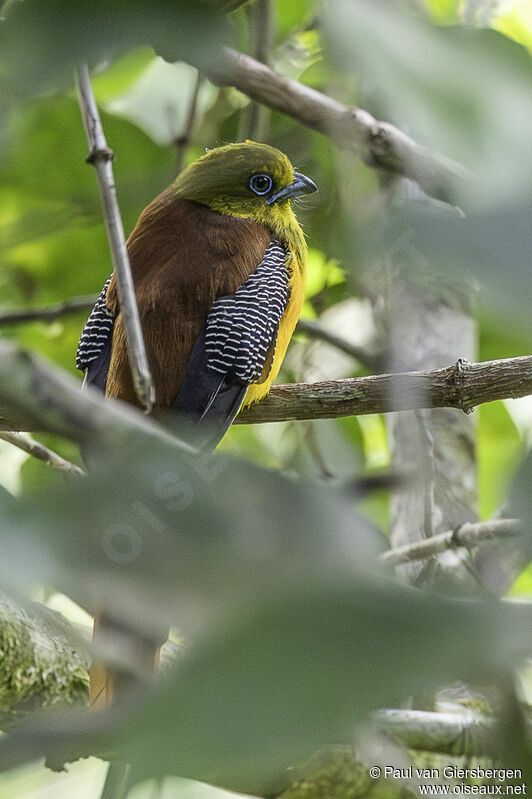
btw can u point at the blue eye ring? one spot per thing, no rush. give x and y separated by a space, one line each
260 184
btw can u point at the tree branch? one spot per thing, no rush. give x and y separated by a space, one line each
48 312
468 535
379 144
101 157
462 385
34 395
459 733
371 360
183 140
42 453
44 661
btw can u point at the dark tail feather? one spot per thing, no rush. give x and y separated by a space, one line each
108 683
208 401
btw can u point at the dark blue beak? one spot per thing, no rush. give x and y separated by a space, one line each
301 185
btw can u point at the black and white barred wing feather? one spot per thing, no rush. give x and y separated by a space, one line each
242 328
94 348
236 346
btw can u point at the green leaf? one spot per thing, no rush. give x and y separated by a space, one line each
159 100
458 90
499 452
176 538
42 40
298 670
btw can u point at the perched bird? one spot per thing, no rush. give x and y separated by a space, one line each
218 263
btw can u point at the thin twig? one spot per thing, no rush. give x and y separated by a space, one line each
181 142
101 157
468 535
462 385
261 27
453 733
312 329
379 144
306 327
48 312
42 453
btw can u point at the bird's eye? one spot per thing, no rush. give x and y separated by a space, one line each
260 184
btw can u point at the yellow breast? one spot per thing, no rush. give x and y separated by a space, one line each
287 325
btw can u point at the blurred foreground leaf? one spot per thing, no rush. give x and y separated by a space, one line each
161 539
491 245
41 40
457 89
288 673
276 682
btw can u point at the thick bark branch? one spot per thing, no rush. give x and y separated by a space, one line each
378 143
44 661
34 396
101 157
462 385
468 535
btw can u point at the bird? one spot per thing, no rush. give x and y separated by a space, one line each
218 262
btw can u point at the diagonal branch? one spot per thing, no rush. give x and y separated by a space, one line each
101 157
468 535
48 312
183 140
34 395
42 453
462 385
379 144
370 359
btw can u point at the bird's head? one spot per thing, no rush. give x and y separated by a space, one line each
245 179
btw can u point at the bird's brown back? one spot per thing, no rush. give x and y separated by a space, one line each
183 256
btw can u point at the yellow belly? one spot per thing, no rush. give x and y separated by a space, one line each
257 391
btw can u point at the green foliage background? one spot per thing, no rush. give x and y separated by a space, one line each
460 89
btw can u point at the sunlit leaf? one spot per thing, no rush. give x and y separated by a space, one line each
499 451
159 100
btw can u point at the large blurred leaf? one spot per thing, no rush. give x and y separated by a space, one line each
492 245
41 40
291 671
458 90
275 682
161 539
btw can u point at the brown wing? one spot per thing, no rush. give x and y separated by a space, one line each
183 256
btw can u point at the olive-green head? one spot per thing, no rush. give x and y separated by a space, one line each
245 179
